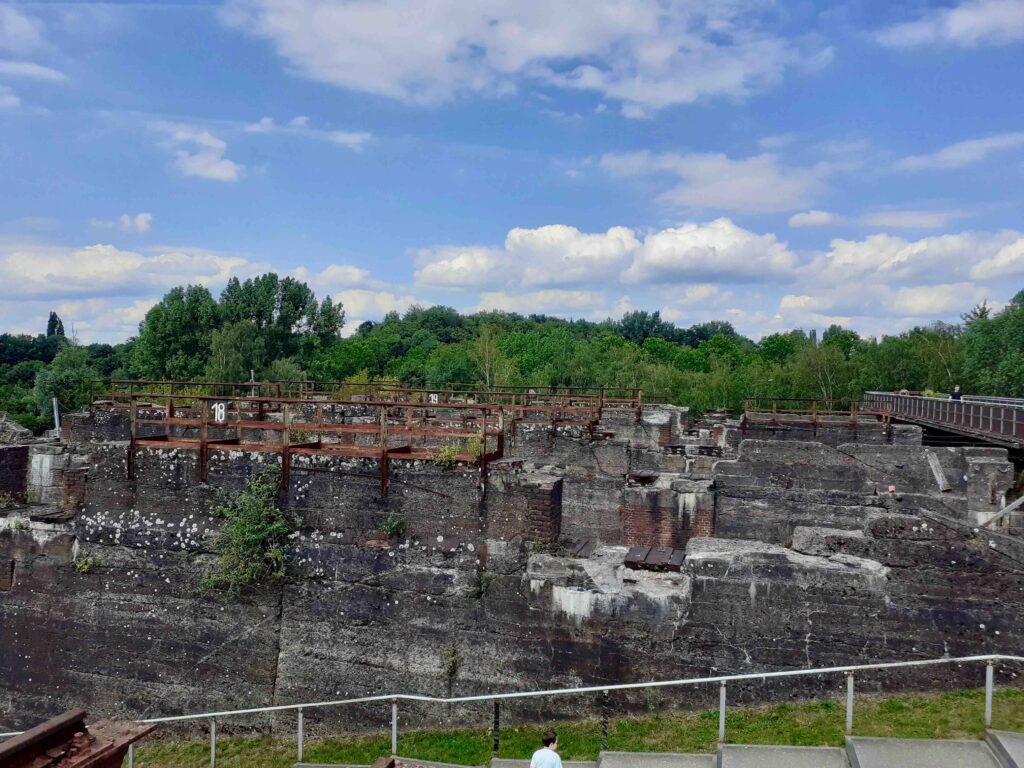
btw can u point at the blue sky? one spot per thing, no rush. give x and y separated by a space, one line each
779 165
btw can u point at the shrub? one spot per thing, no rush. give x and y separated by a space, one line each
481 585
447 456
84 564
253 542
393 526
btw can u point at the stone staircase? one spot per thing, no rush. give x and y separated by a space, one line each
999 749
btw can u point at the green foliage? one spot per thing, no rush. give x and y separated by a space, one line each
237 351
447 456
85 564
452 663
174 339
66 379
54 326
481 585
393 526
253 541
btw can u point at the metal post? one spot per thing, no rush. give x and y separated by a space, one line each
131 756
300 734
496 729
988 695
604 720
849 703
213 742
721 714
394 728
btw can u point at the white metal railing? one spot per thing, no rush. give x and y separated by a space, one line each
722 680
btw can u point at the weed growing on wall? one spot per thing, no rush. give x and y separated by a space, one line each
253 542
393 526
84 564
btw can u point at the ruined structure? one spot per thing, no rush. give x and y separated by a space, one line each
614 543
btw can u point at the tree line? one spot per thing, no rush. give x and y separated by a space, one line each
272 328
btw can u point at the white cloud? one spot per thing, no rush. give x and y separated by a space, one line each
758 184
137 224
883 259
963 153
550 301
814 219
34 270
18 32
363 304
718 250
910 219
354 140
453 266
8 98
969 24
199 153
1006 262
337 276
646 54
30 71
299 126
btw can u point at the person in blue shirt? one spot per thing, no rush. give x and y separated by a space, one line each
547 756
955 394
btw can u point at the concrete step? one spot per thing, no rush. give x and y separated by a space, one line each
759 756
1008 747
865 752
654 760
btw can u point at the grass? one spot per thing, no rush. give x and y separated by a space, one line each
958 714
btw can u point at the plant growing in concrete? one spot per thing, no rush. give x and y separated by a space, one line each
446 457
253 542
84 564
451 667
474 447
393 527
481 584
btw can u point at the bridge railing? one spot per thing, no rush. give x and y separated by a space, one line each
993 418
988 661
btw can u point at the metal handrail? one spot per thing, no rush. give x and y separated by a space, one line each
723 680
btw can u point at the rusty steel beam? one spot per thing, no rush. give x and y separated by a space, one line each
66 742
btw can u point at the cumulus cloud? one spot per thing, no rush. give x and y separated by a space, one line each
719 250
813 219
646 54
338 276
963 153
883 259
30 71
1008 261
362 304
969 24
137 224
453 266
46 271
198 152
759 184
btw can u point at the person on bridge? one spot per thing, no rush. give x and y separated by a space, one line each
955 394
547 756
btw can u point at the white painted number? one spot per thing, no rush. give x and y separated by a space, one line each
219 412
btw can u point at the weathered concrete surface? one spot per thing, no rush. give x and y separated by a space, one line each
919 753
758 756
478 595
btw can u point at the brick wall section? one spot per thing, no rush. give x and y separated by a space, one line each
74 489
14 469
650 518
525 505
703 523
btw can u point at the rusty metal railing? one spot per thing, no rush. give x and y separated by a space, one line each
811 412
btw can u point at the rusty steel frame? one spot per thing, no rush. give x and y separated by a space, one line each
387 422
789 411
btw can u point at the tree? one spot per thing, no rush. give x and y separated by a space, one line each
236 351
329 320
66 379
174 339
54 326
494 366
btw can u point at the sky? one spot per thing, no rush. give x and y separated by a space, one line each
775 164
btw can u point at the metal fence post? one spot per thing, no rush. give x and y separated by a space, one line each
721 714
213 742
131 756
605 706
988 694
394 727
496 730
300 735
849 703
